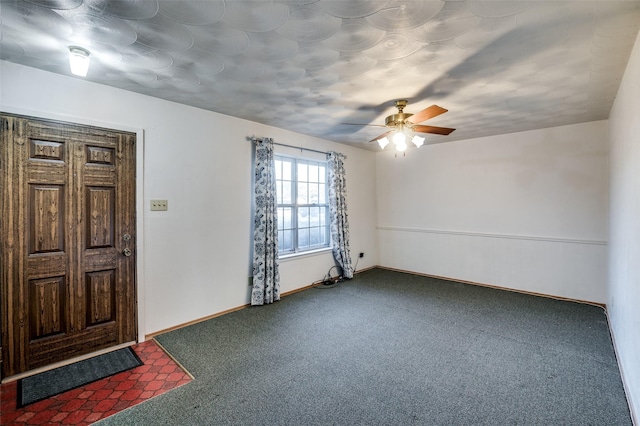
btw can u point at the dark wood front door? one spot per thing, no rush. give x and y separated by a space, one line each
68 241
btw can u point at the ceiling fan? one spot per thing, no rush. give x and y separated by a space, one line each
405 126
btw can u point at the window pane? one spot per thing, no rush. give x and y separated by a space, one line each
302 172
322 193
286 220
314 216
280 217
313 193
303 217
280 241
279 192
286 193
278 166
287 241
303 238
313 173
314 236
286 169
323 216
303 197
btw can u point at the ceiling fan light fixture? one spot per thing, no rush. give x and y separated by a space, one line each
418 141
383 142
399 138
79 60
401 147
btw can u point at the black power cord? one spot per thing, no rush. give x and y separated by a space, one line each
330 281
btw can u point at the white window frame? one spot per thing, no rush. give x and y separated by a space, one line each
296 207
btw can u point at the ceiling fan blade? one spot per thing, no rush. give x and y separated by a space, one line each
382 136
425 114
433 129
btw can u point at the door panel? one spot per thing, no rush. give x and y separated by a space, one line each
46 297
101 296
68 200
46 215
100 213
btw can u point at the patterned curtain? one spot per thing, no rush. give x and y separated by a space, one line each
266 277
338 213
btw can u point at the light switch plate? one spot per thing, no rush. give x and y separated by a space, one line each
159 205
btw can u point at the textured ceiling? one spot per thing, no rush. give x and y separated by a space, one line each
308 66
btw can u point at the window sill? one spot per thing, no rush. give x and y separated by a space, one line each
294 256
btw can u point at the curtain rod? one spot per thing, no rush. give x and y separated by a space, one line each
301 148
292 146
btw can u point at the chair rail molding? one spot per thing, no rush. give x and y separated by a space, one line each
491 235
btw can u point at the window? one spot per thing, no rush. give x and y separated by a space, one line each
303 209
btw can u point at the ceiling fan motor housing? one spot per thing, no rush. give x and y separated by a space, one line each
395 120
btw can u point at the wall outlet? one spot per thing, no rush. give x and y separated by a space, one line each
250 281
159 205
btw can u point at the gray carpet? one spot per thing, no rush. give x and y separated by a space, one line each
388 348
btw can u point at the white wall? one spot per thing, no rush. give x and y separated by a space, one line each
526 211
624 247
196 255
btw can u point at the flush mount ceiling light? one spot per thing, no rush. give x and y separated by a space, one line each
79 60
405 126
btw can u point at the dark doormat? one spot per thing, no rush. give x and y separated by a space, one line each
49 383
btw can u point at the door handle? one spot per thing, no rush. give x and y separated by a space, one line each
126 252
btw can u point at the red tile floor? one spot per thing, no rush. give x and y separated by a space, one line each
102 398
